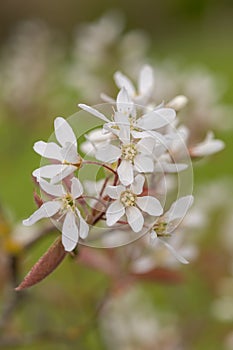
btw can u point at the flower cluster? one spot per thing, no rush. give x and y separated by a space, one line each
138 146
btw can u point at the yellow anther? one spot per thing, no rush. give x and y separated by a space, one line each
129 151
128 198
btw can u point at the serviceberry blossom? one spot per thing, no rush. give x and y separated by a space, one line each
136 135
142 94
127 201
63 203
178 102
165 161
134 142
133 156
207 147
167 223
95 139
65 154
126 115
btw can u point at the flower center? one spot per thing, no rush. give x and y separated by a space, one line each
68 202
129 151
160 228
128 198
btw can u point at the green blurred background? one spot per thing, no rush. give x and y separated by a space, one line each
163 19
189 33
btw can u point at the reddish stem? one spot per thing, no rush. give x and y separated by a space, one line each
100 164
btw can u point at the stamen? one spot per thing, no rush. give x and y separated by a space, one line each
68 202
129 151
160 228
128 198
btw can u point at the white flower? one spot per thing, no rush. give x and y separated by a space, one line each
172 156
64 204
94 139
126 114
178 102
209 146
149 256
66 154
124 104
164 162
145 84
127 202
166 224
134 156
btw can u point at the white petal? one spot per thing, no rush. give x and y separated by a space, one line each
48 171
122 81
47 209
94 112
76 188
124 103
159 150
146 145
143 164
179 208
157 118
107 98
83 226
137 185
207 147
70 232
70 154
148 134
54 190
64 132
48 150
174 252
135 218
183 133
97 135
110 128
125 172
108 153
114 191
178 102
146 81
121 118
124 134
88 148
157 136
139 134
114 212
96 138
170 167
66 171
150 205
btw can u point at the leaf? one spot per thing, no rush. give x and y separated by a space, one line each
44 266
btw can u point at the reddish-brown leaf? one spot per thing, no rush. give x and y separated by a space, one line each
44 266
